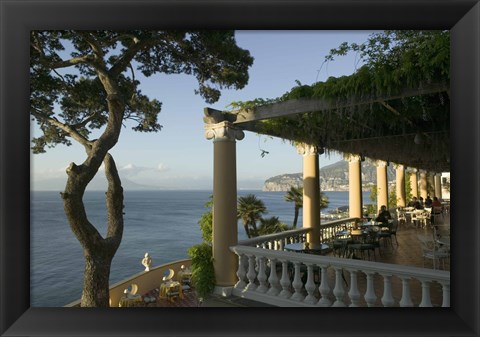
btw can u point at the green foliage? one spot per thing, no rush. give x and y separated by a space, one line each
203 273
389 63
271 225
206 222
324 200
295 195
250 210
408 187
248 105
392 197
71 73
373 194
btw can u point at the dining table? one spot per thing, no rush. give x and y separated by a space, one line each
167 288
306 247
130 301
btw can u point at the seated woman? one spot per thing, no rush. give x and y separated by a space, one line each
383 216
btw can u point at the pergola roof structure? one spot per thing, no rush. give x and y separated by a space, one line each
409 127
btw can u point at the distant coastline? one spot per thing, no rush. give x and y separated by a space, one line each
333 178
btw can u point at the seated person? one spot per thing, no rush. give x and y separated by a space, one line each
419 203
428 202
383 216
412 202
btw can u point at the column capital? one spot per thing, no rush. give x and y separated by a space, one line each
354 158
307 149
381 163
413 170
223 131
399 166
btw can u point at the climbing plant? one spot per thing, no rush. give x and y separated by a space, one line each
392 61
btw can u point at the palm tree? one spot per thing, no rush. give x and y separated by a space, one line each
323 201
250 210
295 195
271 225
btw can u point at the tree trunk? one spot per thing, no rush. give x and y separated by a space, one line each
295 218
98 252
96 280
246 230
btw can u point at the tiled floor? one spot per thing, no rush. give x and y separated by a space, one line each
407 252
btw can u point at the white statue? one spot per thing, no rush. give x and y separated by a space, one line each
147 261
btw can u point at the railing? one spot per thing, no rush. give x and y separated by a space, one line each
278 240
258 279
328 229
143 282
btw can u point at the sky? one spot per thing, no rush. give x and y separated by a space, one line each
179 156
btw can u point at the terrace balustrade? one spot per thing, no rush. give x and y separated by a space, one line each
270 275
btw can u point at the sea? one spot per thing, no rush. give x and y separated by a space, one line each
162 223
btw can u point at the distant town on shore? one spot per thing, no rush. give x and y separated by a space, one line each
333 177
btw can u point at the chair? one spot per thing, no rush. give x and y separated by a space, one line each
421 216
168 289
366 243
168 275
387 235
401 215
173 291
431 250
339 246
184 276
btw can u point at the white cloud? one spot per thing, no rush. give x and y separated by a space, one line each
162 167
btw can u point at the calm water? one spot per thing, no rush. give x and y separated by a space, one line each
162 223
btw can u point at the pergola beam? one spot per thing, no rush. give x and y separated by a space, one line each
304 105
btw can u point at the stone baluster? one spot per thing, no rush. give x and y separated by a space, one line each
241 273
426 302
354 294
370 296
339 290
406 300
387 299
297 283
285 281
251 274
310 286
324 288
273 279
262 276
446 294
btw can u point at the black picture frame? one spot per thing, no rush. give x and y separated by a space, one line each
18 17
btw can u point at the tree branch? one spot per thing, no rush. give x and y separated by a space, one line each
70 130
114 202
122 62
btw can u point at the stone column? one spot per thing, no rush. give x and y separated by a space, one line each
400 185
382 184
414 183
225 229
422 184
311 191
438 185
355 202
